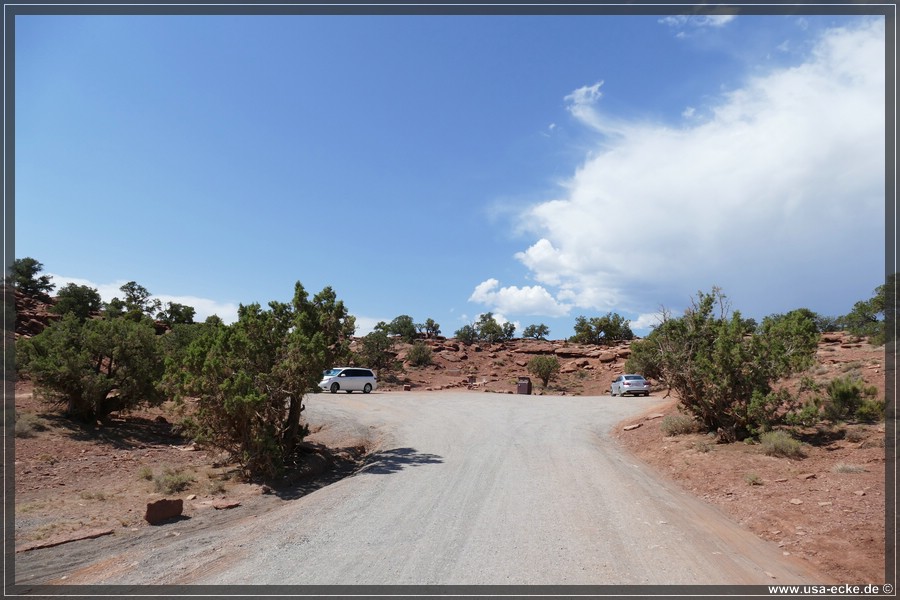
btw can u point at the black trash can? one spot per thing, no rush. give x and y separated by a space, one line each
524 385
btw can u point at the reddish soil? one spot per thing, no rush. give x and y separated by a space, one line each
827 507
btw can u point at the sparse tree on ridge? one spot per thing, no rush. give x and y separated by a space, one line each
430 328
536 332
404 327
24 277
606 330
80 300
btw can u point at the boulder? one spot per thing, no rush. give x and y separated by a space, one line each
163 510
608 356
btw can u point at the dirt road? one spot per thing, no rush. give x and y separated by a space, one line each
464 488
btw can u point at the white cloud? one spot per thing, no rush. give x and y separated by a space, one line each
582 104
203 307
646 321
366 325
531 300
697 20
781 185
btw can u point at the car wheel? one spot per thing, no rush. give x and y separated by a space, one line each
367 388
612 392
334 388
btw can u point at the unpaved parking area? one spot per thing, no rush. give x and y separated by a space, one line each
461 488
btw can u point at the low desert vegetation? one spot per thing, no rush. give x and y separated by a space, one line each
544 368
247 381
753 479
29 425
171 481
847 468
419 355
781 443
679 424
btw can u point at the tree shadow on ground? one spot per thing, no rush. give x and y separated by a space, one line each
125 433
397 459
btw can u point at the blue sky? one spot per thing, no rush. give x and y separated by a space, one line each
539 167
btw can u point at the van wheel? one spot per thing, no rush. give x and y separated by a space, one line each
334 388
367 389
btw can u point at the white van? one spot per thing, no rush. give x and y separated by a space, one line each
349 379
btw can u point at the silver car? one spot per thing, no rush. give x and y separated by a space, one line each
630 384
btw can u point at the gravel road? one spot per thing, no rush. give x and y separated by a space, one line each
468 488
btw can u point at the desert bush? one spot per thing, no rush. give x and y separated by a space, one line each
419 355
808 414
808 384
146 473
753 479
679 425
845 397
703 446
871 410
855 435
780 443
27 424
544 368
86 495
845 468
172 481
723 368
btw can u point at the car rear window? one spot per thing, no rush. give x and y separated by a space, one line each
633 377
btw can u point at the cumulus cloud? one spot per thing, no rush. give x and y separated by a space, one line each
530 300
779 187
203 307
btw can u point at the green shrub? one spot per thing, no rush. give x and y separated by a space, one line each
679 425
419 355
808 415
808 384
724 368
467 334
845 398
544 367
780 443
870 411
